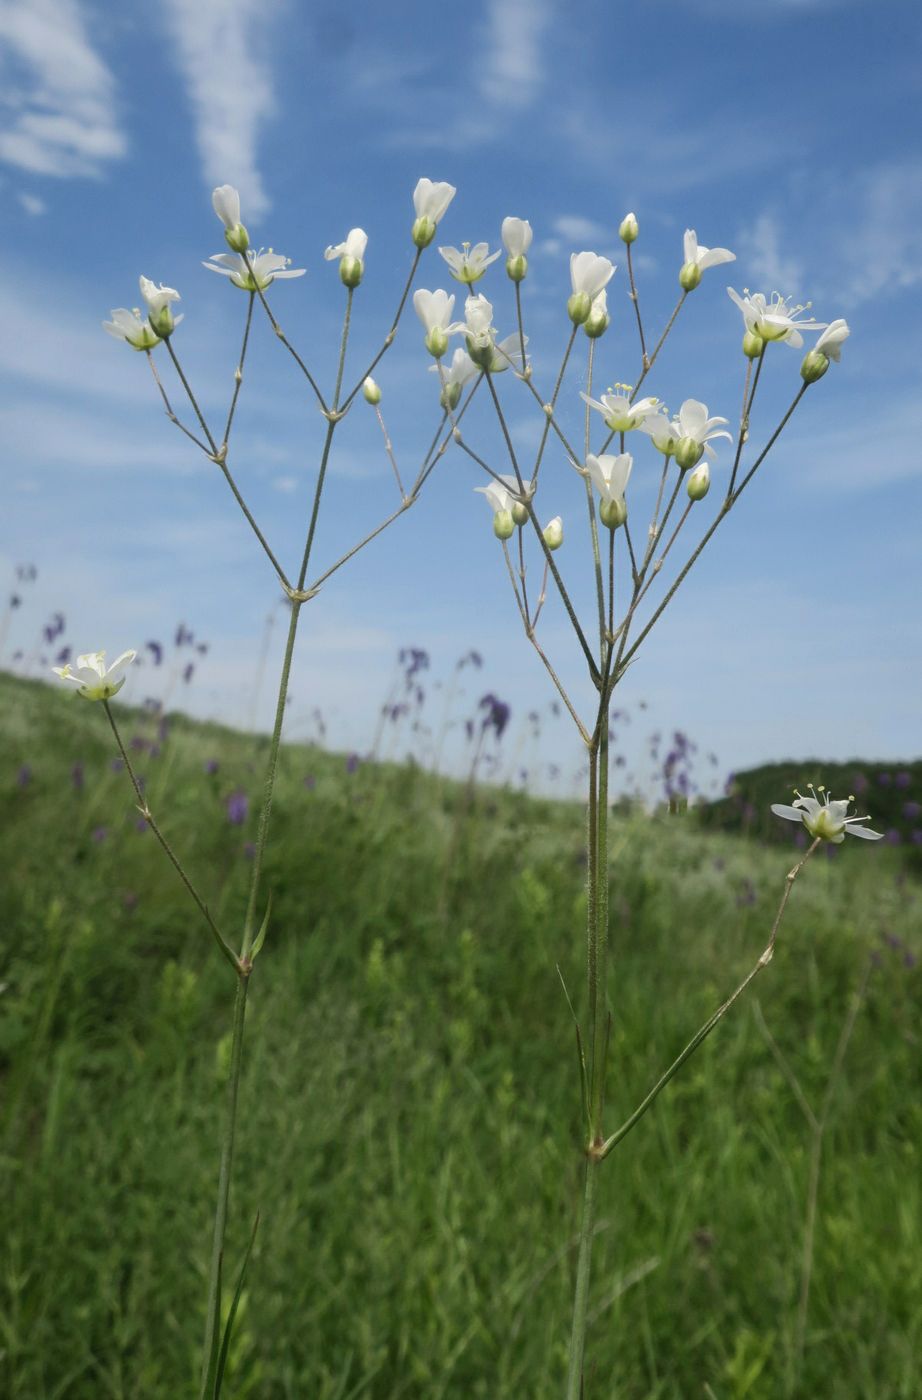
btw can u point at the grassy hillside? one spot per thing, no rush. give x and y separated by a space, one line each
411 1126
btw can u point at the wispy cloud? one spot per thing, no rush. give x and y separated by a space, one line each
513 71
59 95
762 261
31 203
883 250
224 48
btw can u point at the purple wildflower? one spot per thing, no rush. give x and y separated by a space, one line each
911 810
99 834
77 776
156 652
902 779
238 805
24 776
352 762
211 765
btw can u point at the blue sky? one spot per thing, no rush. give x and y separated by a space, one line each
779 129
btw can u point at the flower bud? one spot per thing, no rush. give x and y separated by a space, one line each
371 392
552 533
450 397
689 276
237 238
437 342
482 355
598 320
613 513
629 228
503 525
814 366
688 452
699 482
350 271
519 513
517 267
753 345
579 307
423 232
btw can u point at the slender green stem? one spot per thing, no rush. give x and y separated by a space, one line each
389 338
148 816
590 504
169 409
583 1271
267 548
763 961
212 1308
238 375
744 416
659 345
635 300
519 323
191 397
260 292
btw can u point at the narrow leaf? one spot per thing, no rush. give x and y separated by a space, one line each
225 1342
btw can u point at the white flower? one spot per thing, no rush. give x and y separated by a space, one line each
498 498
663 431
434 309
469 264
94 681
589 273
159 310
226 204
460 371
826 819
619 413
830 342
693 422
478 323
432 198
127 325
354 246
517 235
776 319
702 257
507 354
610 474
267 268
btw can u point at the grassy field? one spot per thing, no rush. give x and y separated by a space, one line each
410 1107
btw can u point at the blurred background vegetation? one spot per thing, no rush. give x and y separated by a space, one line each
410 1125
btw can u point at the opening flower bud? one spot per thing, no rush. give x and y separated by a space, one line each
613 513
814 366
598 320
350 271
437 342
688 452
553 533
520 513
753 345
579 307
628 229
371 391
237 238
482 355
423 232
699 482
450 397
503 525
517 267
689 276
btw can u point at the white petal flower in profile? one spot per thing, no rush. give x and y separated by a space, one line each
517 235
159 308
619 413
663 431
507 354
267 267
469 264
610 474
589 273
90 675
356 241
778 319
498 496
698 259
127 325
831 341
461 370
225 201
434 309
826 819
430 200
694 423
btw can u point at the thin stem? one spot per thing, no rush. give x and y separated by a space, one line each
169 410
581 1295
212 1307
659 345
662 559
146 813
267 549
763 961
389 450
191 397
635 300
744 416
549 421
389 338
238 375
654 531
590 504
260 292
350 293
518 317
770 444
350 554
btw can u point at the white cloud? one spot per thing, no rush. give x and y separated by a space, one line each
573 228
31 203
513 71
883 251
223 49
762 261
59 96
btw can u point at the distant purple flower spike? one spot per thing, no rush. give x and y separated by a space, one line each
310 782
893 837
24 776
352 762
202 648
77 776
116 764
130 901
909 960
156 652
238 805
140 825
917 837
211 765
99 834
911 810
884 779
63 656
15 600
188 672
902 779
249 849
183 636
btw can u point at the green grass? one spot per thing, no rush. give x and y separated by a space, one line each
410 1125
